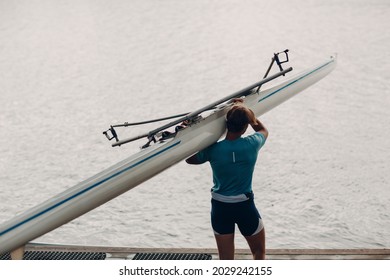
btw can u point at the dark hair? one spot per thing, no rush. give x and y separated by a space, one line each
237 118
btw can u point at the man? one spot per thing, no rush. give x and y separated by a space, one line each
232 161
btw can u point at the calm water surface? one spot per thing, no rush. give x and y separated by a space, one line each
69 69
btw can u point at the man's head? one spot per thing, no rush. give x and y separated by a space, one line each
238 118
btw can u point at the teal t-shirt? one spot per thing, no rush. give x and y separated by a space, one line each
232 163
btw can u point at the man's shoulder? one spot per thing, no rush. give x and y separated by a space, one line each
257 136
256 139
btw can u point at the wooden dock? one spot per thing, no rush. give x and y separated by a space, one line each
127 253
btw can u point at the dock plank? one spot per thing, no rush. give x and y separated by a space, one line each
272 254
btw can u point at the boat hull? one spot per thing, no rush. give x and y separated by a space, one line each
145 164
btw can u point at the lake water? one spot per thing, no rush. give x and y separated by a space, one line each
69 69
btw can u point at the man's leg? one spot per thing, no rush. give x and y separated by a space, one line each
257 245
225 244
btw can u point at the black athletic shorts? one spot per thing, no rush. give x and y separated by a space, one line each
224 216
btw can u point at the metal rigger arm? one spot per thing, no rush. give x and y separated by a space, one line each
189 117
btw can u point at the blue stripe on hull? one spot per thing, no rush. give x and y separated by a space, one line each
89 188
295 81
